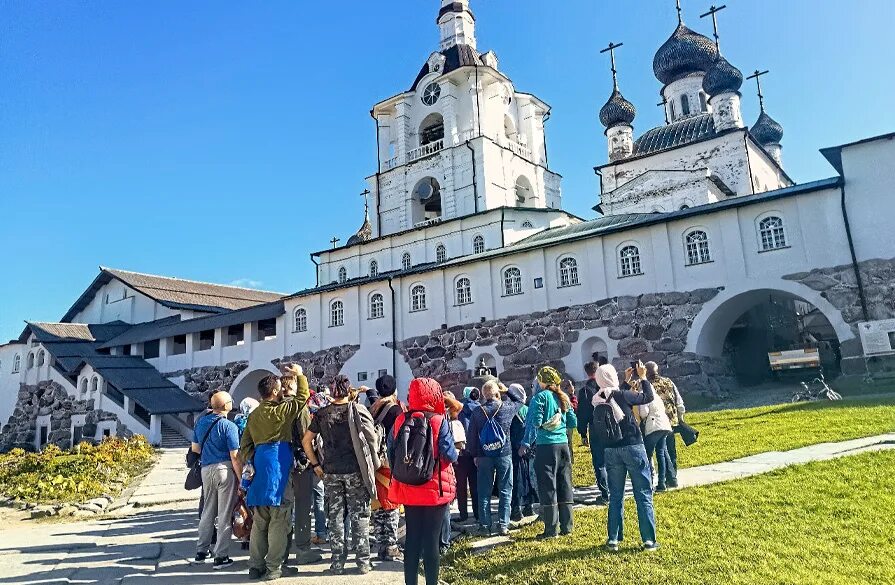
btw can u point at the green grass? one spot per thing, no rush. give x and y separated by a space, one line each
730 434
823 523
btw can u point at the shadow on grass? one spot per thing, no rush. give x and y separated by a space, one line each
861 402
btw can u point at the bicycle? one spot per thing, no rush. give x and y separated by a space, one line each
816 389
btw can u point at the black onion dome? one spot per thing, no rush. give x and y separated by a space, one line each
685 52
617 110
722 77
767 130
364 234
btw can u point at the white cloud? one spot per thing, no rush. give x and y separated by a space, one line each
247 283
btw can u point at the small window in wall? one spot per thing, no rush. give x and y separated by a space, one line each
383 373
362 376
82 393
512 282
377 306
44 435
685 105
150 349
478 245
527 225
697 247
440 254
464 291
418 298
16 364
703 103
206 339
267 329
336 314
301 320
177 345
236 335
41 358
568 272
671 107
343 275
772 232
629 261
406 262
107 432
374 269
30 360
94 386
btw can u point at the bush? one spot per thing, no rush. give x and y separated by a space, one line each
84 472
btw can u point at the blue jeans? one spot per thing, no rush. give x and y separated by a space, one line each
501 469
445 539
656 443
319 511
598 458
621 461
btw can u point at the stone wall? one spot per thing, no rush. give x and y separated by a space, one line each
648 327
323 366
50 398
202 382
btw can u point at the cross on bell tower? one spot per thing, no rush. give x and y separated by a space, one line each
757 77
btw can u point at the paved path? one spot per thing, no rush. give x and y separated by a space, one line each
156 542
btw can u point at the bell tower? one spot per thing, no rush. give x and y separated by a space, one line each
457 24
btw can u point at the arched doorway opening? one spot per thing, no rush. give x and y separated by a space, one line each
246 386
746 327
592 349
426 200
524 192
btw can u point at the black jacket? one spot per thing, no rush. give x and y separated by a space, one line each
626 400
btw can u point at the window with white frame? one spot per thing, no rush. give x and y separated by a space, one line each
464 291
512 281
629 261
478 245
772 233
343 275
16 364
568 272
406 262
440 254
374 269
336 314
418 298
377 306
697 246
300 321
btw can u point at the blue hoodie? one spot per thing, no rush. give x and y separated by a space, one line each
503 413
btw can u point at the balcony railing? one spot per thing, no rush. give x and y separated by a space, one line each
425 150
520 149
390 164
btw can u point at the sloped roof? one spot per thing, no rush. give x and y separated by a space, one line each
176 293
675 134
455 57
53 332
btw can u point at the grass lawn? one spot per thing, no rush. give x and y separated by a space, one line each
824 523
730 434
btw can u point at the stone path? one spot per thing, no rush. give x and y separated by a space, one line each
156 542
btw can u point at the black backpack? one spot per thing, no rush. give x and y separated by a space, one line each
414 458
604 429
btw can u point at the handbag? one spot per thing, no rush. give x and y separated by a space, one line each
688 434
194 475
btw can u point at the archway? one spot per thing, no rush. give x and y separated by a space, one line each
426 200
743 327
524 192
431 129
593 348
246 385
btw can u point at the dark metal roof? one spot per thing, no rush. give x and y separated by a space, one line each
169 328
675 134
722 77
617 110
170 400
685 52
454 7
767 130
51 332
455 57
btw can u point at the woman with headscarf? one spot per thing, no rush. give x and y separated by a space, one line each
245 409
627 455
425 505
550 415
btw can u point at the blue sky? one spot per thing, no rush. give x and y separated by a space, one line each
224 141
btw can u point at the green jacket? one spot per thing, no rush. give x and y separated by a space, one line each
271 422
540 410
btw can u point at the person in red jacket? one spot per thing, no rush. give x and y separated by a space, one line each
425 505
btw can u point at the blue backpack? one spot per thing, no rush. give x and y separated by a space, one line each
492 437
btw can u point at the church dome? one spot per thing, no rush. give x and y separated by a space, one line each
767 130
364 234
722 77
685 52
617 110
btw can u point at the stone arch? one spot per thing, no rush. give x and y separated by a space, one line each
426 200
711 325
593 345
246 384
490 363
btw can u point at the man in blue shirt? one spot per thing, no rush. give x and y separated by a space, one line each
216 439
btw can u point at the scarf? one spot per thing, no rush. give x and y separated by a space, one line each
607 379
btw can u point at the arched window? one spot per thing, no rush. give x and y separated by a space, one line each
374 269
568 272
671 106
523 191
377 306
512 281
629 261
83 393
336 314
406 263
30 360
527 225
440 254
464 291
16 364
41 358
703 102
478 245
697 247
772 233
685 105
418 298
94 386
432 129
301 320
343 275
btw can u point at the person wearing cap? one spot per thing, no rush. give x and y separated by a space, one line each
216 440
550 415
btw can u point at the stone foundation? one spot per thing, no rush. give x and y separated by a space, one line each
202 382
50 398
651 327
321 367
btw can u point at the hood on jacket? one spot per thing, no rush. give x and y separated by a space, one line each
425 394
516 393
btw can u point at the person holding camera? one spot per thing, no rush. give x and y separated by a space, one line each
614 426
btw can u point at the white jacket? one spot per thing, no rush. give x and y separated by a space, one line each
654 417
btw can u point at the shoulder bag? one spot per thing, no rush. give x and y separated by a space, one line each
194 475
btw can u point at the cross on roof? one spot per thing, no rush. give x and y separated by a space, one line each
334 241
662 105
611 50
680 13
366 201
757 77
713 12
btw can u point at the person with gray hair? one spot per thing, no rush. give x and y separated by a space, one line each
488 440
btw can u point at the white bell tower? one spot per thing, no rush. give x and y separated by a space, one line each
457 24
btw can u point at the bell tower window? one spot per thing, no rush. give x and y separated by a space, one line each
426 200
685 105
432 129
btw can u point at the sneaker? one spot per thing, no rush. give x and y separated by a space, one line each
273 575
393 553
307 557
545 536
483 530
661 488
286 571
650 546
528 511
255 574
516 515
221 563
565 532
364 567
611 545
671 484
318 540
503 531
337 568
601 501
202 556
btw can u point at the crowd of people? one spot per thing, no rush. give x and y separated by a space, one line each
340 466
